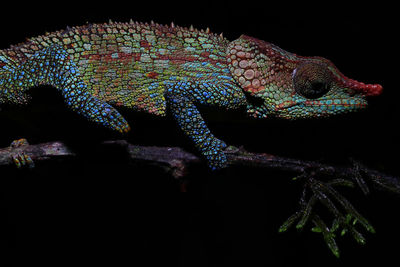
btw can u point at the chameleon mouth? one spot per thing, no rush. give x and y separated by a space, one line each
330 106
339 102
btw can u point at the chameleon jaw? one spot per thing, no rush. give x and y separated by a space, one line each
318 108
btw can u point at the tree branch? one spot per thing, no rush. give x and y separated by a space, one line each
176 161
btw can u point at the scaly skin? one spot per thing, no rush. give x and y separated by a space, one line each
149 67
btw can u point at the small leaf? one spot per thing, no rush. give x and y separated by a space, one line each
336 252
316 230
358 237
348 218
298 177
306 213
341 182
371 229
343 232
334 248
289 222
335 225
352 212
358 178
328 236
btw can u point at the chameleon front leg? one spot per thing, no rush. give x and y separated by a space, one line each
182 99
191 122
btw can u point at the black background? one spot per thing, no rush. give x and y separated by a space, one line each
97 208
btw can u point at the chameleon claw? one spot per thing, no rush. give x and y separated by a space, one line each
126 129
21 159
19 142
17 161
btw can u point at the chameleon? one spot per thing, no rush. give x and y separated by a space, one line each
172 70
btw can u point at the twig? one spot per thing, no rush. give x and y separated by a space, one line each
176 161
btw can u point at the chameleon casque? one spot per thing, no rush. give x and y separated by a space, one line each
154 68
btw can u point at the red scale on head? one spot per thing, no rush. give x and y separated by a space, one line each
145 44
364 89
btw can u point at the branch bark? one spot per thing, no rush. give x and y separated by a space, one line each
176 161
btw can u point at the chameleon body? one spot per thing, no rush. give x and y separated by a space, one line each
154 68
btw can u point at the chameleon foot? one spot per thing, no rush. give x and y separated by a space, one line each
214 154
19 158
345 218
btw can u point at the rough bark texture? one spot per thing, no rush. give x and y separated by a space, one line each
175 161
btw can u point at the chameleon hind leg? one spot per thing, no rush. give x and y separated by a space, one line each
53 66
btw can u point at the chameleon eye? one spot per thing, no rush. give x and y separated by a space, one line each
312 80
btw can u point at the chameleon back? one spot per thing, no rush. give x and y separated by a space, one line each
132 64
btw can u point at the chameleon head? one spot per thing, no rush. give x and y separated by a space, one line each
282 84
